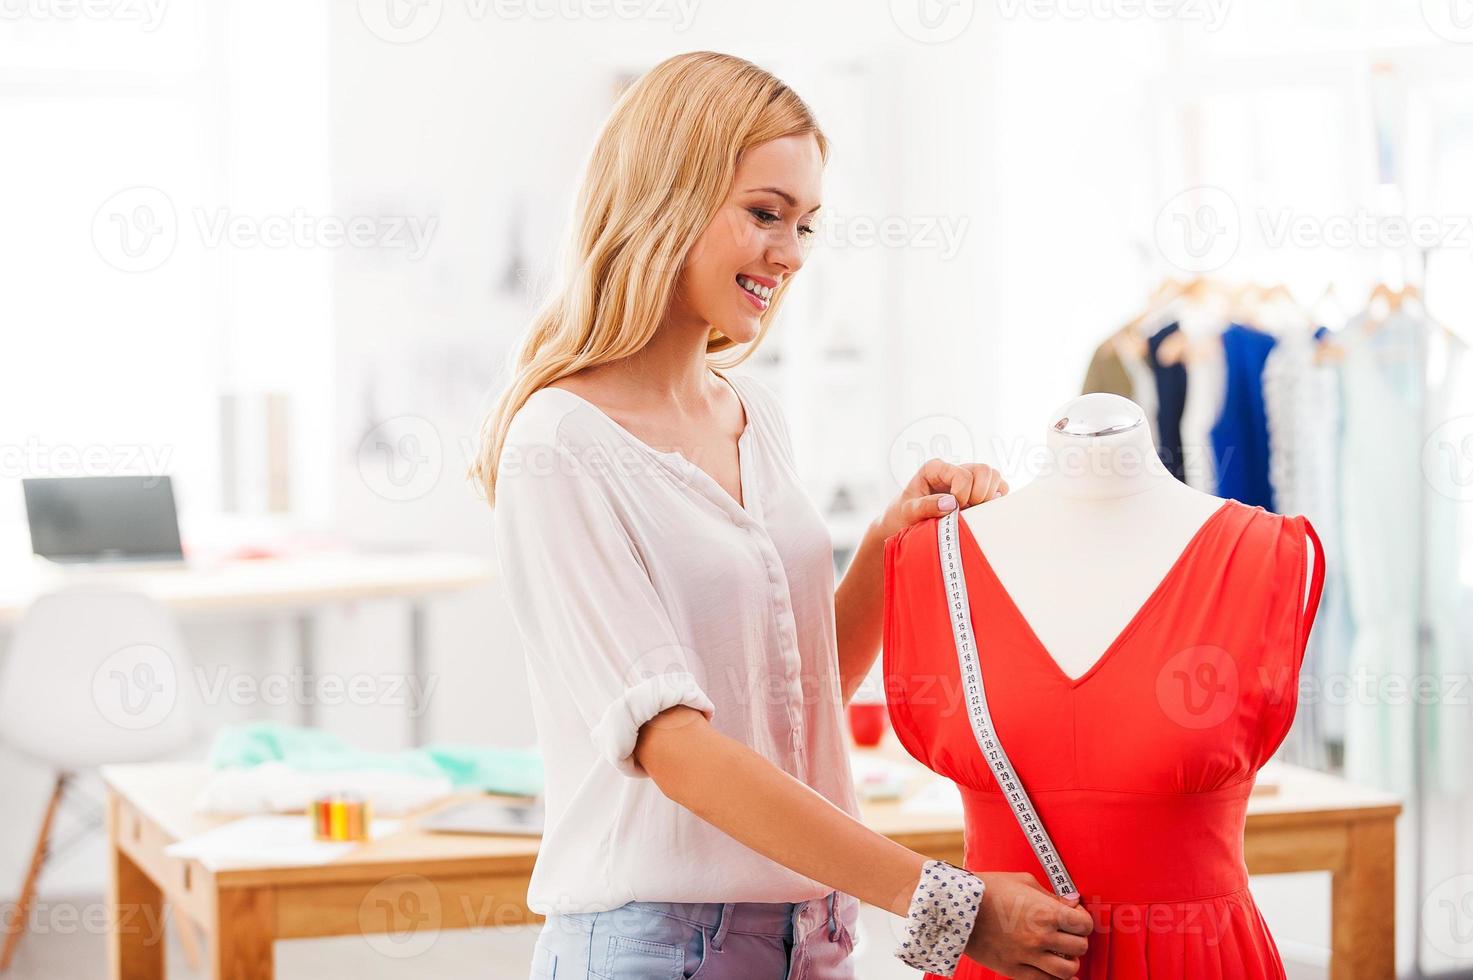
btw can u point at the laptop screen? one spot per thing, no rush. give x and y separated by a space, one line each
102 518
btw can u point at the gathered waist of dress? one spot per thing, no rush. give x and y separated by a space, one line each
1120 846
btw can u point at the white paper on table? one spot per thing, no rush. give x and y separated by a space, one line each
269 841
878 778
939 796
868 768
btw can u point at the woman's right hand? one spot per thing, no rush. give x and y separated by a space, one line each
1023 931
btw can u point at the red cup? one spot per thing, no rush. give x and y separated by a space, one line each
867 723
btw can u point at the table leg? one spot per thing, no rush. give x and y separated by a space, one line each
418 658
307 664
1363 904
135 941
245 931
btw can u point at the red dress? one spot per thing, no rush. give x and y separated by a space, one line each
1140 769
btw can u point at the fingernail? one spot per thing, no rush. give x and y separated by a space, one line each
947 502
1071 897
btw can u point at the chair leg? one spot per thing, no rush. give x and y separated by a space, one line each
17 923
187 939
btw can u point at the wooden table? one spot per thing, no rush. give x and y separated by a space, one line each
397 892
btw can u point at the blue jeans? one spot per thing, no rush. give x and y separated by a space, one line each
707 940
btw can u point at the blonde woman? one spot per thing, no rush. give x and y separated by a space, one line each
688 654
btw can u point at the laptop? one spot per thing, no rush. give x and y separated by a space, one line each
494 817
104 520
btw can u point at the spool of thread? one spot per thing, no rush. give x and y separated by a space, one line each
340 817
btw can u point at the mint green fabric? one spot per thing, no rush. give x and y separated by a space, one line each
515 772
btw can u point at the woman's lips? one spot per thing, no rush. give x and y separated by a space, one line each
756 301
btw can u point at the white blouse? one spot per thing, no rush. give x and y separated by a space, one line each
638 583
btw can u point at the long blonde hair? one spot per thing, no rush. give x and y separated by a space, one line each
660 170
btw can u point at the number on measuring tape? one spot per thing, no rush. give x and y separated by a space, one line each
976 694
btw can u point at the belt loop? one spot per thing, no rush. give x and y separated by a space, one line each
833 927
721 926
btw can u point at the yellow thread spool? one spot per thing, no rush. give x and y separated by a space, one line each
339 817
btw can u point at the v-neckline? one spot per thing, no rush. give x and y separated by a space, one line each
1145 608
672 455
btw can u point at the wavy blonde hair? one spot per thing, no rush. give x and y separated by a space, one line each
661 169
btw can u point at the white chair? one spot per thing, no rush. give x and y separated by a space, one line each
95 675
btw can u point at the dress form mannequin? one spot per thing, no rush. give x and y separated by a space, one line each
1084 545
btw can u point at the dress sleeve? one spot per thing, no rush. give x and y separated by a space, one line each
1308 604
1281 679
896 653
591 622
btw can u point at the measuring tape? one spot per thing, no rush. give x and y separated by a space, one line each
966 652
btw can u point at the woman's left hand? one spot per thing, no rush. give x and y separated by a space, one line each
936 490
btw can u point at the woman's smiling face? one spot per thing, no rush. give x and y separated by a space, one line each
757 239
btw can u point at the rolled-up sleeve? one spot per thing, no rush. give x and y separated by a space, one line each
583 601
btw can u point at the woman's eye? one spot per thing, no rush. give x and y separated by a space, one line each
805 230
766 217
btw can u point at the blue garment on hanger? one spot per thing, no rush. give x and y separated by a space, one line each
1240 437
1171 399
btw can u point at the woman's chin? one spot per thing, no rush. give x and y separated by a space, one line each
741 330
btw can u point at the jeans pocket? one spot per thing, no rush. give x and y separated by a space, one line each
643 959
